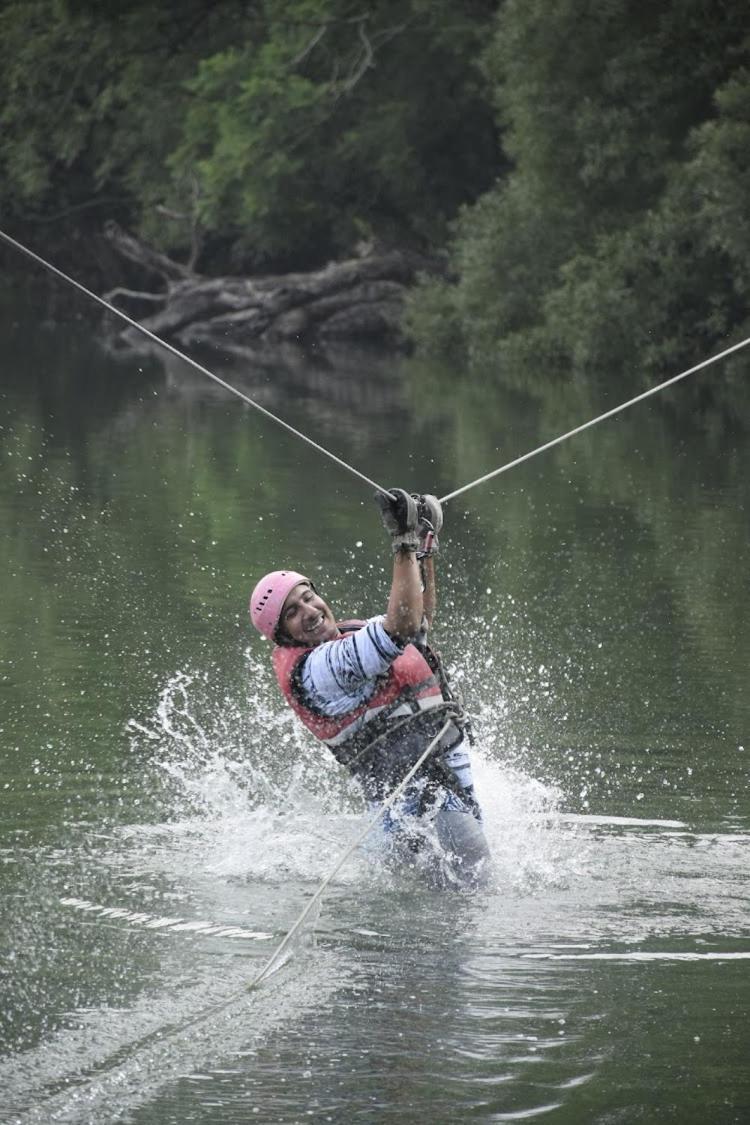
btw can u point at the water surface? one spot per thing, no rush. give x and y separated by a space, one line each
164 821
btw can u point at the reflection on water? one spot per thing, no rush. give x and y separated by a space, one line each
164 820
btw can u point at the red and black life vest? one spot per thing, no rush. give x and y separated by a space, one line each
378 740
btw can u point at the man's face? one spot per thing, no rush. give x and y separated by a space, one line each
306 618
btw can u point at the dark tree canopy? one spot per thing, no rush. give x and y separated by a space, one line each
281 132
619 238
585 165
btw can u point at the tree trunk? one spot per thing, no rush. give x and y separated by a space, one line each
357 299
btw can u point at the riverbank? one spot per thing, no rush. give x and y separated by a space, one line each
357 299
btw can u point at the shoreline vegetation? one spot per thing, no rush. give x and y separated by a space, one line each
533 189
360 299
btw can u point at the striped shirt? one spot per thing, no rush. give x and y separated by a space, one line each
339 676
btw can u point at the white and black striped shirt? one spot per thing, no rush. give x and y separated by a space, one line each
338 676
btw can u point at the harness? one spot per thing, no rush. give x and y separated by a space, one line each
381 752
381 747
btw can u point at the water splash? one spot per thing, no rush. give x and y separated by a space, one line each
164 922
240 772
238 775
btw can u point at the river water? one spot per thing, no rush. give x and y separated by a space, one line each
164 821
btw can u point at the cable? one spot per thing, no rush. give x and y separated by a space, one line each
273 960
593 422
332 456
181 355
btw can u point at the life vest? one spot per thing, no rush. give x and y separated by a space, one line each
378 740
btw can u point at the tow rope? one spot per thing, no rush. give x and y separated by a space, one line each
321 449
275 962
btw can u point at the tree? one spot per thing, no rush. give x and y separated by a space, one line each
91 97
608 246
262 133
339 125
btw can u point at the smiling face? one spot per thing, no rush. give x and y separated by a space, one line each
305 618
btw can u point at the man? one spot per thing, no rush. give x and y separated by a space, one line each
377 695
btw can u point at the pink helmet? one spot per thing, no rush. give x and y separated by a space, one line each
268 597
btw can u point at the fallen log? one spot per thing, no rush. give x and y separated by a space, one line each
357 299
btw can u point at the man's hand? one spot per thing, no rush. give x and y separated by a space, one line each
430 513
398 511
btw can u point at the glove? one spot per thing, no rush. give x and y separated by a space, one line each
430 515
399 515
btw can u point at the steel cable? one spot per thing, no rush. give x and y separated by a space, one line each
321 449
193 363
593 421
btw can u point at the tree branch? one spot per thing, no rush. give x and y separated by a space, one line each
145 256
113 294
364 60
310 46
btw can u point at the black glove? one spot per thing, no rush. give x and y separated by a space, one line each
430 515
398 511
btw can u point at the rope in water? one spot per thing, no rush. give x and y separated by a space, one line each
593 421
181 355
273 963
321 449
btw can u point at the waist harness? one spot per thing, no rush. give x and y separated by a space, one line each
379 742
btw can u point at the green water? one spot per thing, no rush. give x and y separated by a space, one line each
164 821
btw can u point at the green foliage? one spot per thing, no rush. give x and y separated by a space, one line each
719 175
90 102
619 242
612 233
275 131
337 126
429 318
